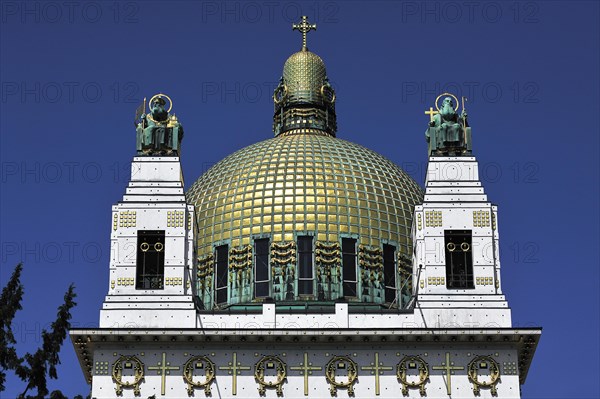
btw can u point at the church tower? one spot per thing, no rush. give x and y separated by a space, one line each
305 266
152 248
455 232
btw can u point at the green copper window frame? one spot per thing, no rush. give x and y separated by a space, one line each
262 271
221 274
306 264
349 268
390 273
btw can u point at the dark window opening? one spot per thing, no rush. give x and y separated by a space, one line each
150 261
261 268
389 272
305 265
349 266
459 259
221 273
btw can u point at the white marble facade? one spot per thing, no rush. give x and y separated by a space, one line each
365 363
449 343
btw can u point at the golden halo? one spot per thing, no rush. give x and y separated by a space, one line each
144 246
331 91
158 247
280 89
161 95
447 94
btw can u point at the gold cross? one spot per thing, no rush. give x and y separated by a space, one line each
431 112
306 368
163 369
304 27
377 368
234 369
449 367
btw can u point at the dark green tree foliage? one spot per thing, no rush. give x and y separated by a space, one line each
10 303
57 395
32 368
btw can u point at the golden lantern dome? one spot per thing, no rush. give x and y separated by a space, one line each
327 218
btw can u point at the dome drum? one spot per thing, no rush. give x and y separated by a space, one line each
286 279
304 118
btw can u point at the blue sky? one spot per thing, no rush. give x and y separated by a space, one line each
72 76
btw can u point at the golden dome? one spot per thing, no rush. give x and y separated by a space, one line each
304 184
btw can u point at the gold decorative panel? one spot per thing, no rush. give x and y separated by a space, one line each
125 281
175 218
510 368
174 281
484 280
436 280
433 218
205 276
101 368
240 272
328 261
370 262
127 219
481 219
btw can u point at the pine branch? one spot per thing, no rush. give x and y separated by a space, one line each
10 303
57 395
44 361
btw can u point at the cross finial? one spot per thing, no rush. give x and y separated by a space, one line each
431 113
304 27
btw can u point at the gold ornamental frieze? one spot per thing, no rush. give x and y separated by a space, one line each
132 363
341 373
270 363
487 365
205 265
199 372
370 257
284 253
205 270
402 372
203 366
240 258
